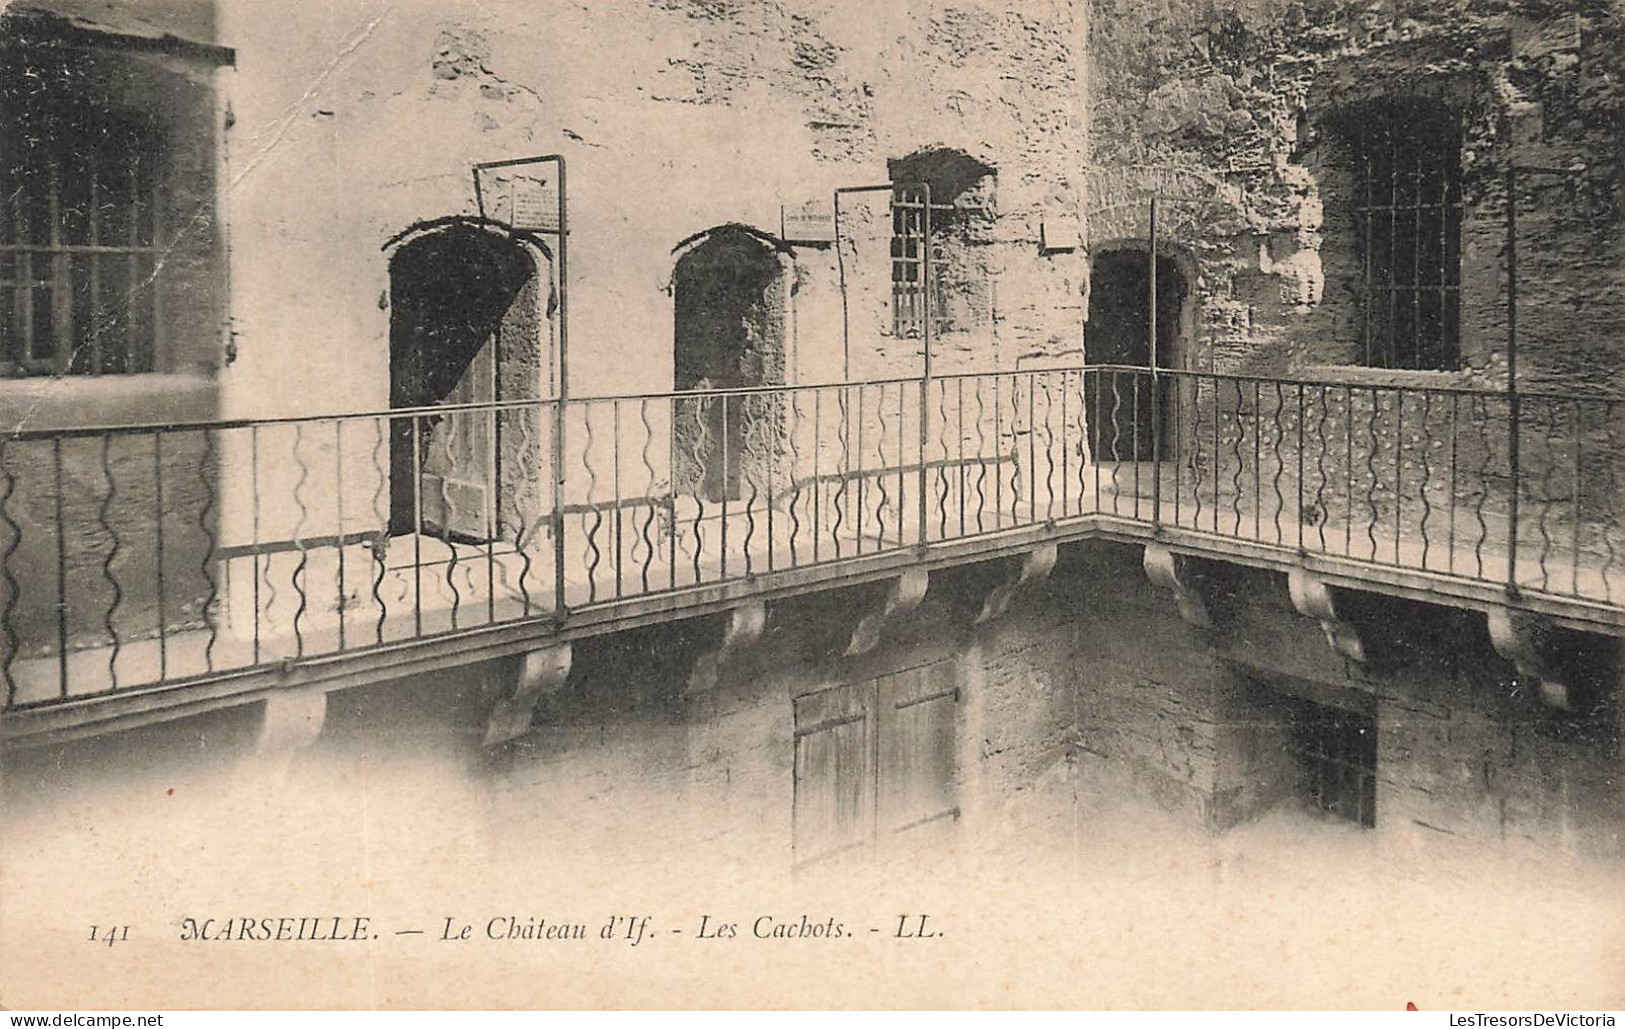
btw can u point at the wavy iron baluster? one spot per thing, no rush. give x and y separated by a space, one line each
1482 418
382 428
110 616
1280 460
594 554
1547 471
1241 463
14 536
1427 470
207 562
298 539
652 491
795 476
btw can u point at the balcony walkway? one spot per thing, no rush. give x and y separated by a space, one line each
1371 509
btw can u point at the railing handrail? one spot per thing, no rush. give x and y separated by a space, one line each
147 428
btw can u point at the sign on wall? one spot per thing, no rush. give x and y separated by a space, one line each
524 201
810 222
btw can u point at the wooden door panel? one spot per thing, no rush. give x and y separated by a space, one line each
834 777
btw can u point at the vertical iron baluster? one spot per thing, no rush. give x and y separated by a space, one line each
795 476
1323 512
902 496
1371 470
857 451
1455 435
158 563
1299 506
254 519
1094 450
62 566
772 406
1134 393
1611 452
1218 415
671 474
1032 446
1579 440
1348 524
747 474
493 516
998 456
818 446
615 432
338 474
960 403
1399 469
417 526
1196 449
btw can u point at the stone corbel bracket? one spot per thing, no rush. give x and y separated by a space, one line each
291 721
1035 567
541 672
902 596
1312 598
1523 638
743 628
1166 569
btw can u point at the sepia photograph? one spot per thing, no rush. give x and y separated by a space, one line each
793 505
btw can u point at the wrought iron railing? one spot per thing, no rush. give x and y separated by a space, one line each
132 557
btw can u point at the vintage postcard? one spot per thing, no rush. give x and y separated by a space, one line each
812 504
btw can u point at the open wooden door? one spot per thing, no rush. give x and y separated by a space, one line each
459 456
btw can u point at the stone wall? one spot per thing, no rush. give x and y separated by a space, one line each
1237 107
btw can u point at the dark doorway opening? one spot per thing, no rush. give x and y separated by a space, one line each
729 296
1119 333
465 328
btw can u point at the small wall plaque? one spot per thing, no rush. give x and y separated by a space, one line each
810 222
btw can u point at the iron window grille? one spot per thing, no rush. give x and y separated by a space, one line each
80 231
1407 210
908 264
1337 752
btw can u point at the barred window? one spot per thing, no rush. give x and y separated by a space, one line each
960 209
79 231
1407 222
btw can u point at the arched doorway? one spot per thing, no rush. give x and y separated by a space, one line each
1119 333
730 294
469 324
